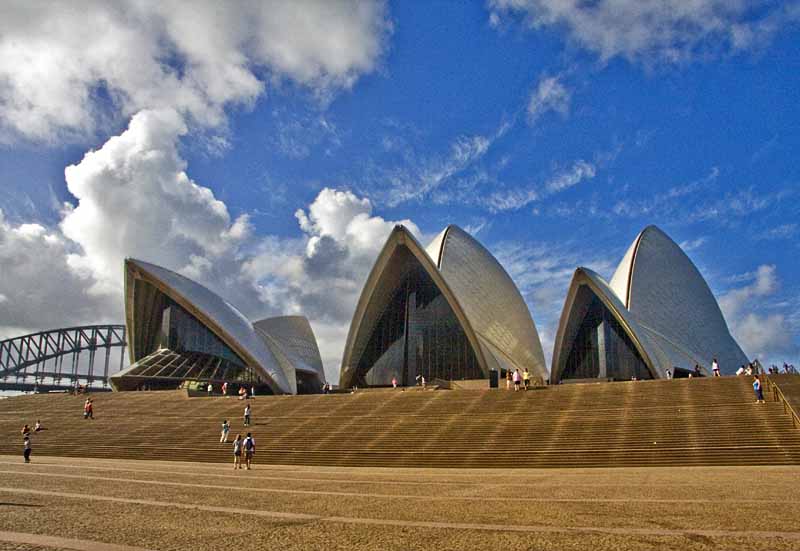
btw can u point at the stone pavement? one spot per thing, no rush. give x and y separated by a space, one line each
63 503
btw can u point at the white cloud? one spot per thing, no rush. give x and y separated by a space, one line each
423 177
57 60
665 203
783 231
767 336
692 244
135 199
38 289
656 31
322 274
549 95
562 180
579 171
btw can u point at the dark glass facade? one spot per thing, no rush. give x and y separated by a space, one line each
417 333
602 348
182 333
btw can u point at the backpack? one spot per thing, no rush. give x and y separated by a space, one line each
248 444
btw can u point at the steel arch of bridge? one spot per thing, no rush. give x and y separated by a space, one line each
37 361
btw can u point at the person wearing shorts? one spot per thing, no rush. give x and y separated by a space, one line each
249 446
526 378
237 452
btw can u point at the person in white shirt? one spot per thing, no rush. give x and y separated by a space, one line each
237 452
247 415
715 367
226 427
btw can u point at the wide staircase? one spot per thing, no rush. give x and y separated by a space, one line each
659 423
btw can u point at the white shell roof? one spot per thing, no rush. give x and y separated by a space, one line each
670 298
667 305
490 299
479 290
230 324
294 338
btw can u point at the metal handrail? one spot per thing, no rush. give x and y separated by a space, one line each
778 396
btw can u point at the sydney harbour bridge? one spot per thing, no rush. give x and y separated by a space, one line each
62 359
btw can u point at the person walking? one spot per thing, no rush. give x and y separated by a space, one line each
526 378
508 379
26 430
237 452
210 389
88 409
249 446
247 415
225 388
517 379
394 382
758 390
226 427
26 448
715 367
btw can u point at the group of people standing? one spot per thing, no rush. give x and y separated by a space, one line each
519 379
243 448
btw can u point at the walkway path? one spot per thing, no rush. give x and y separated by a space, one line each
139 505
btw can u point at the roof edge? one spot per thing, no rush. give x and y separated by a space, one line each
401 236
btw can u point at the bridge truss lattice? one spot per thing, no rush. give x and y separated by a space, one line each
62 359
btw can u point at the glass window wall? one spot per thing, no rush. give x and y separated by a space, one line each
602 348
417 334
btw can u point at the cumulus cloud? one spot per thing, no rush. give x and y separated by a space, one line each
321 275
38 289
767 336
550 95
651 31
135 199
65 67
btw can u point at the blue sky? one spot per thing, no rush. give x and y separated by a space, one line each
553 131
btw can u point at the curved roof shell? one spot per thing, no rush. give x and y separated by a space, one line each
221 317
491 301
502 334
292 341
671 309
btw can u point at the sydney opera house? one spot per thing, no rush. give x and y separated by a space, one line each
448 312
179 330
656 315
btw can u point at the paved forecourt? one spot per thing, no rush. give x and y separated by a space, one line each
71 503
